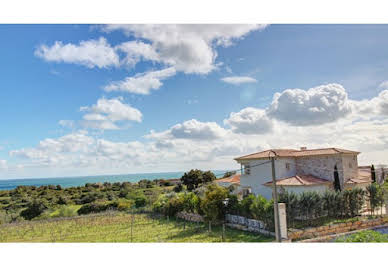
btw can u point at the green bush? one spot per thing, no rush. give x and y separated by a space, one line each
92 208
66 211
213 205
368 236
33 210
263 210
245 206
125 205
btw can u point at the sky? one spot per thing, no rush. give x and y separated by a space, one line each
115 99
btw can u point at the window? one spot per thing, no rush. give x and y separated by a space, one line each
247 169
287 166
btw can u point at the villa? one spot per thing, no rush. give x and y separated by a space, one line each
301 170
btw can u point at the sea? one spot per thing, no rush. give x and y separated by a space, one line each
8 184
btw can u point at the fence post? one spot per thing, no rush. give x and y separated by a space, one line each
132 217
282 221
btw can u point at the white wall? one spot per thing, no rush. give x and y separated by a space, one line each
263 173
301 189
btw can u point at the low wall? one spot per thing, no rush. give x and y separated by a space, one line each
314 232
246 224
192 217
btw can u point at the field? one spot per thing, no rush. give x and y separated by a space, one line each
116 227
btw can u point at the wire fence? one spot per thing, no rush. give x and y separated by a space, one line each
121 227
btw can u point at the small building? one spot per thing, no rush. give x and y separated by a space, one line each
301 170
232 181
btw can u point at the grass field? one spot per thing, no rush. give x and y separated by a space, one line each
116 227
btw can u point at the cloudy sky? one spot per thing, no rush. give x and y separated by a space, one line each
114 99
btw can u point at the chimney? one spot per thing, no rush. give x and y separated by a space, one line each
303 148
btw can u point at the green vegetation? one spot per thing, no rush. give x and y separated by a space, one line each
37 203
116 227
314 209
194 178
369 236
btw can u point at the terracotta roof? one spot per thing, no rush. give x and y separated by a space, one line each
235 179
299 180
295 153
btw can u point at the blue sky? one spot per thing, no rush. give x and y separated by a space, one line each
185 83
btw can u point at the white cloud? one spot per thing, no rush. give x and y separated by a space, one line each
315 106
67 123
91 53
237 80
249 121
206 145
189 48
106 112
71 143
377 106
3 164
136 51
113 110
384 85
142 83
191 129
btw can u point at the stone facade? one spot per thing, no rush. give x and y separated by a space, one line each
321 231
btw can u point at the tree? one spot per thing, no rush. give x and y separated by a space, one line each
373 173
337 184
207 177
33 210
192 179
178 188
229 173
213 204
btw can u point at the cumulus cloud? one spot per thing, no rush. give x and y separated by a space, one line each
91 53
249 121
113 109
191 129
136 51
377 106
189 48
142 83
237 80
106 112
47 148
207 145
318 105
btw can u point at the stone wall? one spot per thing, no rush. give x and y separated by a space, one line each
246 224
313 232
192 217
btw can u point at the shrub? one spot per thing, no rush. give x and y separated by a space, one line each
33 210
213 203
66 211
125 205
245 205
140 201
365 236
62 201
169 204
190 201
263 210
92 208
178 188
